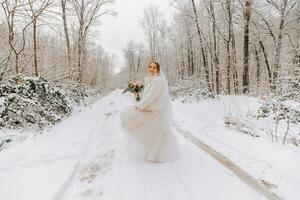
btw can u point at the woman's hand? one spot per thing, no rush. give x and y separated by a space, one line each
143 110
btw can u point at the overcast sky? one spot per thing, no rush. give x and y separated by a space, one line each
116 31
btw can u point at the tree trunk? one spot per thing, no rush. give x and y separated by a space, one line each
215 54
246 47
35 47
79 52
257 59
68 47
266 61
205 64
234 63
190 55
228 42
80 42
228 69
279 43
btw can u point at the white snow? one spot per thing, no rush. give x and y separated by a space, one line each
273 163
87 156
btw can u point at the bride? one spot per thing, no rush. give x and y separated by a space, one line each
149 120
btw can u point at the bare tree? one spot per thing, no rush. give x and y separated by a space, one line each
35 9
215 54
150 23
88 13
247 16
135 55
66 31
203 50
231 70
10 8
283 7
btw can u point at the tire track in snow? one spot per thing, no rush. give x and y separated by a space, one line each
86 180
244 176
66 186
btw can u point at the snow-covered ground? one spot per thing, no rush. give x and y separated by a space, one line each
87 156
275 165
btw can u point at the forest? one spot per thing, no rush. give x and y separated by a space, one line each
231 46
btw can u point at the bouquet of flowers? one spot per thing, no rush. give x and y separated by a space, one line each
136 88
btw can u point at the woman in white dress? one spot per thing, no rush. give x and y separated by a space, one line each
149 120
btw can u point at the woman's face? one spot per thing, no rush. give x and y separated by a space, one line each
152 69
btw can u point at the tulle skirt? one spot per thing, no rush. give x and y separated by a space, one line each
149 129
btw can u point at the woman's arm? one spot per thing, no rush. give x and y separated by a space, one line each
155 89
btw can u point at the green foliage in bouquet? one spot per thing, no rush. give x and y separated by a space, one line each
136 88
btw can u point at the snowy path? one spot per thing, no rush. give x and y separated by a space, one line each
88 157
244 176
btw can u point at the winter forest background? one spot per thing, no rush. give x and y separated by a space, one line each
216 54
233 47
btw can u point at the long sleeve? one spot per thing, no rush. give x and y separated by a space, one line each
155 88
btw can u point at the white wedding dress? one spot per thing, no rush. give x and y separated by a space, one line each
150 124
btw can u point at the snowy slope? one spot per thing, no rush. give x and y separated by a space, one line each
275 165
87 156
